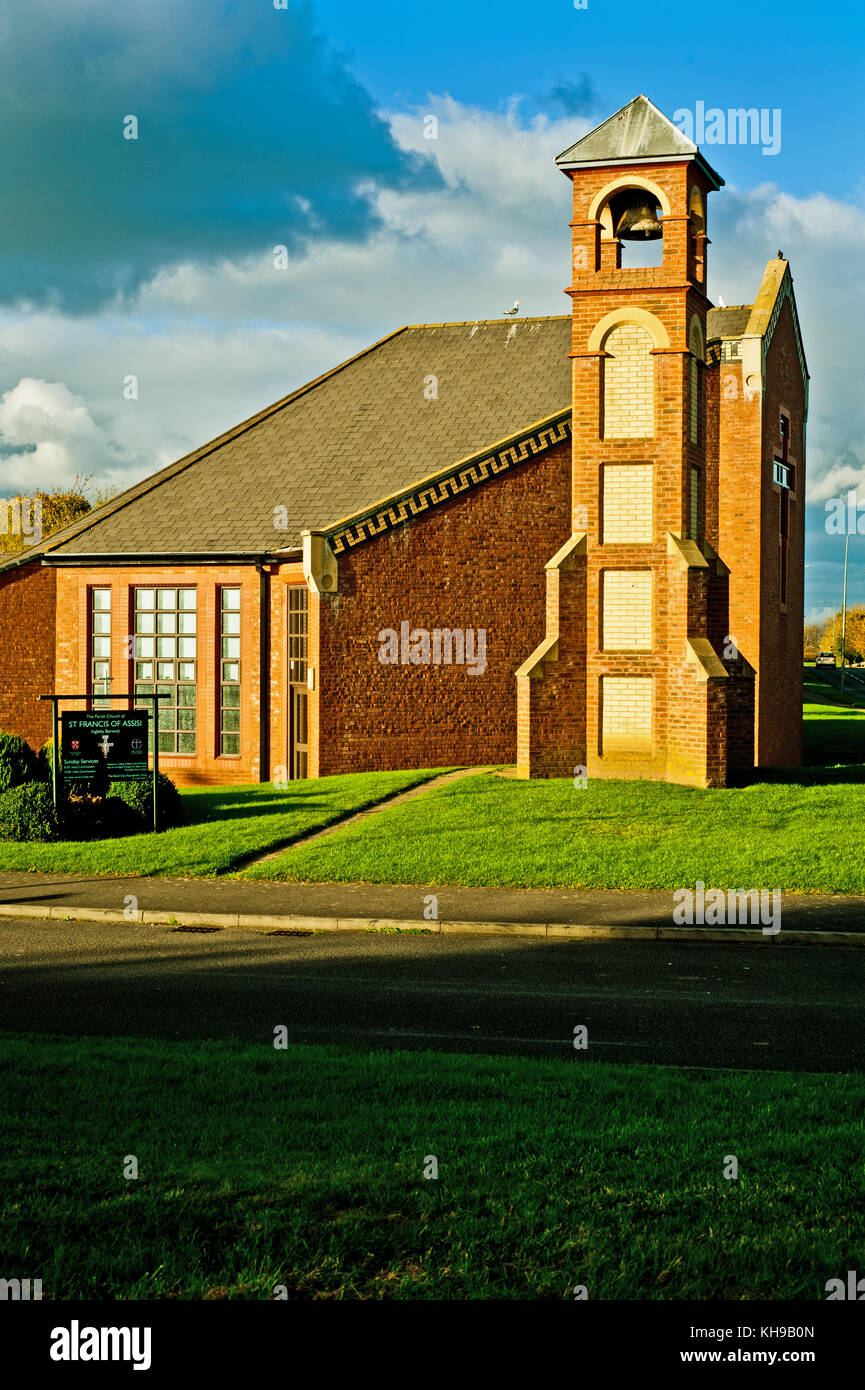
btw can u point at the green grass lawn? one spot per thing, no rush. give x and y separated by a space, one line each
303 1168
789 831
223 826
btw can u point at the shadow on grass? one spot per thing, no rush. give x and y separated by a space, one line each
839 775
218 807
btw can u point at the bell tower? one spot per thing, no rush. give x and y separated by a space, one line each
637 600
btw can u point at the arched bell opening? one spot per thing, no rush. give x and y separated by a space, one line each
634 220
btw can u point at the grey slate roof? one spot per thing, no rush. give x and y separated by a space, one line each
343 442
730 322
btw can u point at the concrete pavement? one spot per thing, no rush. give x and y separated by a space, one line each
265 905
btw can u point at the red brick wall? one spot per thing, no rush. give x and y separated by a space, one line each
744 436
779 693
735 481
551 709
27 601
473 563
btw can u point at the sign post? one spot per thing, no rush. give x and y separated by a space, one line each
113 741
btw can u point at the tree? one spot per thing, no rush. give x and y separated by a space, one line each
28 513
813 642
855 635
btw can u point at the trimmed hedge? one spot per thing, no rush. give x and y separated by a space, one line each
45 770
27 813
18 762
139 795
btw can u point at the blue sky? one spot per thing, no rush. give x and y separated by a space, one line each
303 127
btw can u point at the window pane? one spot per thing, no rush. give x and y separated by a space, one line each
186 599
231 598
166 622
231 646
186 647
143 598
230 744
165 646
145 689
165 690
166 715
101 646
144 672
144 646
166 598
231 671
101 670
186 671
231 695
165 670
186 622
166 743
101 598
187 743
144 622
186 719
101 622
231 720
186 694
230 622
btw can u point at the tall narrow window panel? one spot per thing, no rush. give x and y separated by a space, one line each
229 672
100 647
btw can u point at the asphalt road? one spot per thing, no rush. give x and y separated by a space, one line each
798 1009
854 678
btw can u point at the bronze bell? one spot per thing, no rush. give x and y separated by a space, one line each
638 220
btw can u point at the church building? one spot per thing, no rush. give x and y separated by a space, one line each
563 542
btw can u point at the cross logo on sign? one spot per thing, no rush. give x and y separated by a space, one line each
75 745
105 745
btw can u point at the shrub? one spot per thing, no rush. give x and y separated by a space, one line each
139 795
27 813
45 771
45 761
18 762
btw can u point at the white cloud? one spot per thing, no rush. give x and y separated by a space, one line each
58 437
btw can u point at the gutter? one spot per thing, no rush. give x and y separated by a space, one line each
174 558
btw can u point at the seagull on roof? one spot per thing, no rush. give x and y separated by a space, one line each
509 313
721 304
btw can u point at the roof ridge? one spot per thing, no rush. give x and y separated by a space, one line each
466 323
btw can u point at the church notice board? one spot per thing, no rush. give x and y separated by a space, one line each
116 741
